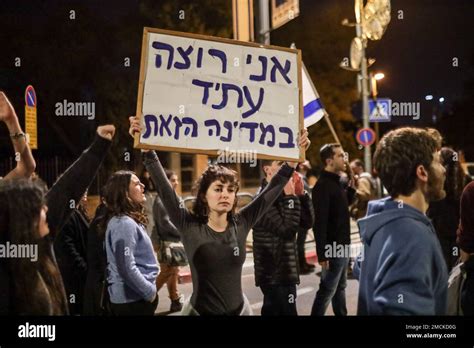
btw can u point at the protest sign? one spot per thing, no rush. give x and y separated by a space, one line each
202 94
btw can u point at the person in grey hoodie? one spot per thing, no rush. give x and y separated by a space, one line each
402 270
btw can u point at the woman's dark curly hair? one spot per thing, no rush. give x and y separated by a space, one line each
213 173
455 176
118 202
37 287
399 153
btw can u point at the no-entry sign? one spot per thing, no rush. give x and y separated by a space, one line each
365 136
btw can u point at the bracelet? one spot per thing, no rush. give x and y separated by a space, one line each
18 135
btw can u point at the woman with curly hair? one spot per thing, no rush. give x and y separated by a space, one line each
131 264
213 234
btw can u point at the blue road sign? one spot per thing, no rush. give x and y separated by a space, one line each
365 136
30 96
380 110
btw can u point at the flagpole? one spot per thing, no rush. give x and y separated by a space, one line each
326 115
328 121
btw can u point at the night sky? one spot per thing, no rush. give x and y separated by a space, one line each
416 53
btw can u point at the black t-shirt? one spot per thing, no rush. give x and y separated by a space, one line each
216 258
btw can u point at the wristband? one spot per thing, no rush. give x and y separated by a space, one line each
18 135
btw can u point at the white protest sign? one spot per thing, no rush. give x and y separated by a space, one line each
203 94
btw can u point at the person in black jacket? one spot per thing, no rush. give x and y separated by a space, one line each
165 231
70 249
274 244
332 230
28 216
95 287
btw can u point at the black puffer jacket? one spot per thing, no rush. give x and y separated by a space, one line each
164 229
274 241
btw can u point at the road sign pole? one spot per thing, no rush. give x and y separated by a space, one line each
264 22
364 85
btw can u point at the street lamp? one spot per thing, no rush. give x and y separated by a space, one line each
373 85
379 76
371 22
435 107
373 82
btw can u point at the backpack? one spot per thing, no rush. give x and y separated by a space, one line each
456 280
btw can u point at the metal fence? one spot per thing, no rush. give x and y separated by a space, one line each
48 169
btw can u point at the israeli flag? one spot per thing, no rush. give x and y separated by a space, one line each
313 108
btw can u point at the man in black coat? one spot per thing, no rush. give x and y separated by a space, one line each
332 230
70 247
274 244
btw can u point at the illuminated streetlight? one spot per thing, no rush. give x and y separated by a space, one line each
379 76
429 97
373 82
441 100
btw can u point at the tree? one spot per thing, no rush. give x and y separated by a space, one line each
324 44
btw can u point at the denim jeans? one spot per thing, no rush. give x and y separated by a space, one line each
332 288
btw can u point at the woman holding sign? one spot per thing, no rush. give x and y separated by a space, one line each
213 234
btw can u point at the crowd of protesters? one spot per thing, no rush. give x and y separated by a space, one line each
414 214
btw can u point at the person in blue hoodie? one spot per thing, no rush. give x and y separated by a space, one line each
402 270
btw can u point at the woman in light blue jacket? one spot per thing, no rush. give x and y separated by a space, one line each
131 264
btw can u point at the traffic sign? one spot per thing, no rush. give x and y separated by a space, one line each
365 136
380 110
284 11
31 125
30 96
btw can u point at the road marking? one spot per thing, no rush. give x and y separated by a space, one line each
299 292
248 263
305 290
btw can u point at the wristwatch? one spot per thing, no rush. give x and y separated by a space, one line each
18 135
